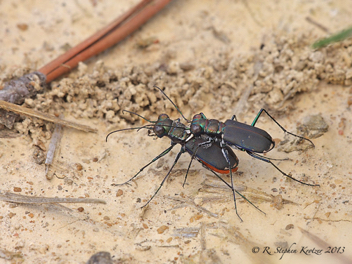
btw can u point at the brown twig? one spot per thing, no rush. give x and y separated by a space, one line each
315 23
16 91
104 39
33 113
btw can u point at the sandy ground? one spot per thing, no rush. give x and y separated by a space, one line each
205 56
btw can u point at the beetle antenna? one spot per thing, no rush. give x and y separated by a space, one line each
141 127
133 113
188 121
124 129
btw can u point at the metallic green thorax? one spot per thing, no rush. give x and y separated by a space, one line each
201 125
178 132
175 130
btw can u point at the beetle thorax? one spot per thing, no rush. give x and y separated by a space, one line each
162 126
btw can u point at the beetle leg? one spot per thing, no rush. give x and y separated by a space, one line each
271 158
205 144
254 155
234 118
189 165
162 154
282 128
234 191
226 156
167 175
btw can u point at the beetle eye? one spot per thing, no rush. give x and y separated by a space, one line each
196 129
159 131
197 116
163 117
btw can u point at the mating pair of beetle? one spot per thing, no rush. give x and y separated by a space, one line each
209 141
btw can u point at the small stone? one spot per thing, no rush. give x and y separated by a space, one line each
162 229
119 193
17 189
102 257
11 215
22 26
78 166
290 226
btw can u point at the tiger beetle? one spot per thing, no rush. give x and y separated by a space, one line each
248 138
211 156
209 141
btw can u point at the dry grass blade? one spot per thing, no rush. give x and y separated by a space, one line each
24 199
191 203
33 113
318 25
340 36
53 146
186 232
